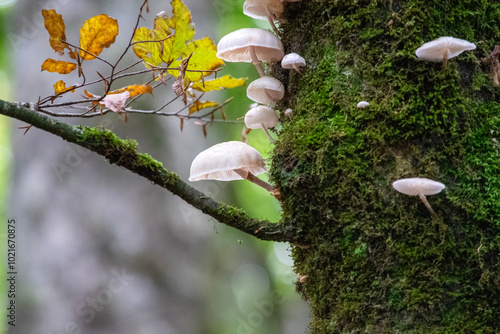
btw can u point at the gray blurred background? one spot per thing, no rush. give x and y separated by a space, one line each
102 250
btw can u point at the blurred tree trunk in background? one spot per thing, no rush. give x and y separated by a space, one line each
378 261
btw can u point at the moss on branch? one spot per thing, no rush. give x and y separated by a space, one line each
124 153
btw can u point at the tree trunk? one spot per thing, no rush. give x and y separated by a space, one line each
378 261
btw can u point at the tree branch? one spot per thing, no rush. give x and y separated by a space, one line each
124 153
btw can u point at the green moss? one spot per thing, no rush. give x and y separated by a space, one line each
334 164
124 152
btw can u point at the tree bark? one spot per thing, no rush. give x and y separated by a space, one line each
378 261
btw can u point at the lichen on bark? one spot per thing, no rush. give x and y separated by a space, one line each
378 261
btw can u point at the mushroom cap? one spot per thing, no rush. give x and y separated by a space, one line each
235 46
219 161
292 59
257 8
257 116
415 186
266 90
436 50
362 104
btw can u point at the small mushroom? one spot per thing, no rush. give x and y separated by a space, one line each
293 60
266 90
442 49
262 117
264 10
233 160
362 104
250 45
419 187
289 112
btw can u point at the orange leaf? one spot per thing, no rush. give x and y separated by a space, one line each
61 67
54 24
90 95
60 88
96 34
197 106
134 90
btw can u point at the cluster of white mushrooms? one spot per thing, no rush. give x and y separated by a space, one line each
439 50
236 160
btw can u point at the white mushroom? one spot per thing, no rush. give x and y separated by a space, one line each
264 10
262 117
289 112
362 104
442 49
250 45
229 161
293 60
419 187
266 90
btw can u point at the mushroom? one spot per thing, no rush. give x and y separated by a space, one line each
289 112
293 60
442 49
262 117
250 45
266 90
362 104
419 187
264 10
229 161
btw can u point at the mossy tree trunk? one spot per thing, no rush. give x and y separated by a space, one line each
378 261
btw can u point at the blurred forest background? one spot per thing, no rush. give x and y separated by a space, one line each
101 250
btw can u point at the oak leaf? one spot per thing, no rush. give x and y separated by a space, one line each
60 88
61 67
224 82
54 24
97 33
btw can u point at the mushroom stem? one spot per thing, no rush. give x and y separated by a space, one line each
296 68
254 179
270 18
256 61
267 133
445 61
422 197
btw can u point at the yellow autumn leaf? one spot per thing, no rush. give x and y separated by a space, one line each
134 90
172 33
61 67
97 33
183 26
54 24
204 58
224 82
198 105
60 87
144 48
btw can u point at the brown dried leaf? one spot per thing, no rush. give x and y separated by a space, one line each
61 67
54 24
96 34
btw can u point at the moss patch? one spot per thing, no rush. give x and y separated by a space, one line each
379 263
